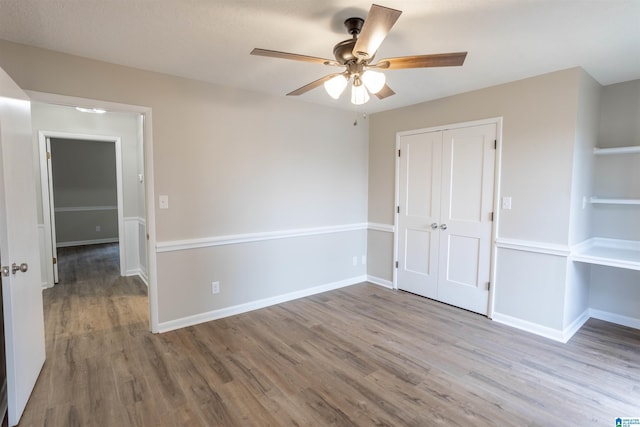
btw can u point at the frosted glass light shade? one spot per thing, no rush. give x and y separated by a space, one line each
359 95
373 80
335 86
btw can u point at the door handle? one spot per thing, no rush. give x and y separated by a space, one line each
22 267
434 226
443 226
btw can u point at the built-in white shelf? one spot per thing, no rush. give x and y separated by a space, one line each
612 201
617 150
611 252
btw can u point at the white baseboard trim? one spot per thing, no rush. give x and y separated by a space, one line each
255 305
380 282
568 332
534 328
618 319
138 272
86 242
575 326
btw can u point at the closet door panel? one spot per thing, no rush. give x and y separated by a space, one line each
468 158
419 205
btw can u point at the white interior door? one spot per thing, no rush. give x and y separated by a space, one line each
22 291
468 161
445 197
419 212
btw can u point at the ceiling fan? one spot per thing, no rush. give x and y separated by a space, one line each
357 56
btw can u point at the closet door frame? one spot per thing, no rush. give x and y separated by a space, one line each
496 195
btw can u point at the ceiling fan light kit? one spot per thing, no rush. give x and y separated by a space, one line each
357 54
359 94
336 85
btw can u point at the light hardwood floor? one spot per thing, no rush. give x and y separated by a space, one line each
362 355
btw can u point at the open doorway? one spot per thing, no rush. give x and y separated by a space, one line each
92 185
82 196
133 125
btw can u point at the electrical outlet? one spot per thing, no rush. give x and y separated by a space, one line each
215 287
98 228
355 261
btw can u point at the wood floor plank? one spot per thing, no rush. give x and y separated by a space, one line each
358 356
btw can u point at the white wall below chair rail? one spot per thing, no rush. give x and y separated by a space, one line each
134 237
568 254
255 305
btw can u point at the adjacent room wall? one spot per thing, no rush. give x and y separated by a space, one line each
236 166
84 191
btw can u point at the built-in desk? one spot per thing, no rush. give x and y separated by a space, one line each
611 252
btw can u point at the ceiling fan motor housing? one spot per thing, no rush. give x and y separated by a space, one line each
343 51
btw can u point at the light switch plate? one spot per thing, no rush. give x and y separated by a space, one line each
506 203
163 202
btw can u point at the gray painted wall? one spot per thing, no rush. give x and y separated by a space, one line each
84 178
237 162
539 133
231 162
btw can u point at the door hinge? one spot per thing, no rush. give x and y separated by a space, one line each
495 144
491 217
396 264
488 286
398 153
55 260
48 155
398 209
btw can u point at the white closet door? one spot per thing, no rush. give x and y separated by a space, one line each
419 203
468 161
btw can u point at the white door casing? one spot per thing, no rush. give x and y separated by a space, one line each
23 313
48 202
48 207
444 220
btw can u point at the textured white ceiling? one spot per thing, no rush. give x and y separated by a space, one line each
210 40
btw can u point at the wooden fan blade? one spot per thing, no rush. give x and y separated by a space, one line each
386 91
312 85
375 29
293 56
423 61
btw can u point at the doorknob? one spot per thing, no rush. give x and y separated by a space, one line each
434 226
22 267
443 227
